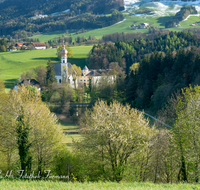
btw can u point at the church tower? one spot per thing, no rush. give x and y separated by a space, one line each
63 53
64 65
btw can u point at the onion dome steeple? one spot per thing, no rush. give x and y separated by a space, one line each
63 53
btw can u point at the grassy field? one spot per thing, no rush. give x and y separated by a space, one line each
14 63
124 27
67 127
50 35
46 185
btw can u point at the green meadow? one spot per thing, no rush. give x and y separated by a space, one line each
69 127
120 27
46 185
12 64
124 27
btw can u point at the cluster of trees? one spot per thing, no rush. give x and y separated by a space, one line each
3 45
119 144
102 55
160 75
152 33
154 69
77 41
68 20
181 15
128 52
30 135
26 8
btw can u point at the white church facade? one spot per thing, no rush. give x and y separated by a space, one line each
63 69
63 73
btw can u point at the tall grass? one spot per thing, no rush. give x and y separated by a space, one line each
46 185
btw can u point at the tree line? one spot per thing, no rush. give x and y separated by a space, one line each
3 45
133 51
27 8
150 71
61 22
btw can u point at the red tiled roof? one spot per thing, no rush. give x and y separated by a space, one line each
19 44
38 44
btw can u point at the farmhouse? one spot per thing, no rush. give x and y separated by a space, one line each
62 70
39 45
17 45
27 82
94 76
11 48
143 25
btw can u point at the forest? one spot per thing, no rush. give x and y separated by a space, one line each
26 8
66 21
155 69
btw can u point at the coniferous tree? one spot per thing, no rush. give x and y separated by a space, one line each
50 76
23 143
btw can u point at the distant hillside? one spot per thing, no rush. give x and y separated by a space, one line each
10 9
181 15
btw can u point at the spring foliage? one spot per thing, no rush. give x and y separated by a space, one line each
111 134
28 127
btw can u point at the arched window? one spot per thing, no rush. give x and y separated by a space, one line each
59 80
63 61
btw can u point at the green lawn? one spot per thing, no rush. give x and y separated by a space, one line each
46 185
48 36
14 63
67 127
69 139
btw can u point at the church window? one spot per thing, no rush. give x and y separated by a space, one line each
63 61
59 80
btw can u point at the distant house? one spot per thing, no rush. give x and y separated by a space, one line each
143 25
11 48
94 76
17 45
39 45
54 46
27 82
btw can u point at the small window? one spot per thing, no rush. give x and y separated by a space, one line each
84 80
63 61
60 81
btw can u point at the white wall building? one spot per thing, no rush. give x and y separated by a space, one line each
62 70
95 76
39 45
143 25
